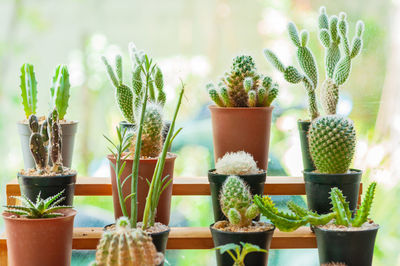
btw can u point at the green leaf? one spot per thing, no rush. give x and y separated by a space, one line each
224 248
59 90
28 87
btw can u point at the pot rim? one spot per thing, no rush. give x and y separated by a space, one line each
352 172
49 176
156 233
70 122
213 106
250 233
376 228
69 213
172 156
210 171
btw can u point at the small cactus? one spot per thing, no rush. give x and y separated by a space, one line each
60 90
55 141
236 202
236 163
28 89
332 141
37 144
243 87
126 246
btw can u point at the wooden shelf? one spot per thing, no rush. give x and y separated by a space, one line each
193 238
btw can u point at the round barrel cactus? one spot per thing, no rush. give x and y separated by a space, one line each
126 246
332 141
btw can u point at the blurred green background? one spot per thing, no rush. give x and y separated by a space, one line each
195 40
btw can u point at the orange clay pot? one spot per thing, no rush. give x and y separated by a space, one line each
40 242
242 129
146 171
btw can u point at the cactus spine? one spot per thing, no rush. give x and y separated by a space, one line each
126 246
236 202
243 87
332 141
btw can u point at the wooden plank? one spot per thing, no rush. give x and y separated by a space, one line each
3 252
182 186
192 238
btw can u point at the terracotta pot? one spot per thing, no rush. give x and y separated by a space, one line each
40 242
146 171
242 128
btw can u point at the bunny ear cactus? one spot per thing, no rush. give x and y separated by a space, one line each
332 141
126 246
236 202
59 90
28 87
243 87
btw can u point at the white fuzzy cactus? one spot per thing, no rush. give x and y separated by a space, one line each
237 163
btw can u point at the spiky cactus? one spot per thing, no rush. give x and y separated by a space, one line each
332 141
236 163
55 141
236 202
126 246
59 90
288 222
38 143
152 131
332 33
28 87
341 207
243 86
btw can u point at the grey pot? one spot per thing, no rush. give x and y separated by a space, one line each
68 140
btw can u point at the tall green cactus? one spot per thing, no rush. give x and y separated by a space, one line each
55 141
236 202
59 90
288 222
126 246
243 87
332 141
28 87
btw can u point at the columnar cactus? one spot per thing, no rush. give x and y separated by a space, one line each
152 131
60 90
38 143
236 163
236 202
332 33
126 246
55 141
28 89
288 222
341 207
332 141
243 87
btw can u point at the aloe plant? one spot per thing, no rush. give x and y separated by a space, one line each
42 208
238 253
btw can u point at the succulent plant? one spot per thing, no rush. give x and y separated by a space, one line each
288 222
243 87
332 34
236 163
28 89
240 251
42 137
126 246
236 202
59 90
42 208
332 141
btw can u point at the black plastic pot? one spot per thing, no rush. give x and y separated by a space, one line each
48 186
68 139
261 239
160 240
319 185
256 183
355 248
303 127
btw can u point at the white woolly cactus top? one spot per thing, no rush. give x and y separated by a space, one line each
236 163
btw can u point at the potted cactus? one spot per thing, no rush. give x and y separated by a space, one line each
333 36
126 246
128 197
46 141
38 226
146 76
59 96
240 164
239 252
241 116
342 237
237 205
328 142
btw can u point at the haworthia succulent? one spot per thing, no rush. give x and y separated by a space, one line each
28 87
